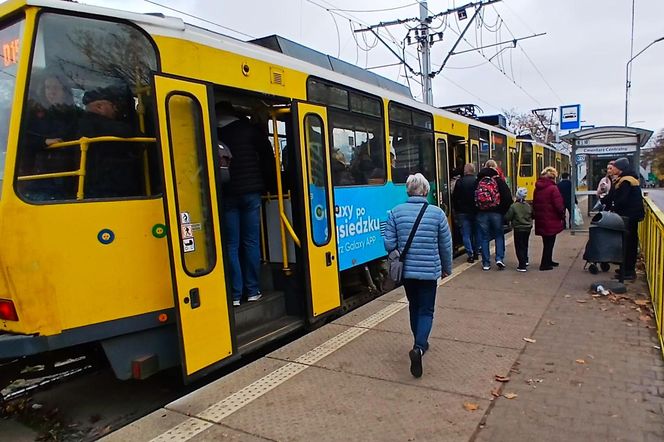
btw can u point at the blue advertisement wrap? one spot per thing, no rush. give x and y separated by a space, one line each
319 220
361 214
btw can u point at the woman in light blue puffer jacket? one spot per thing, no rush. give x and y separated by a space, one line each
429 258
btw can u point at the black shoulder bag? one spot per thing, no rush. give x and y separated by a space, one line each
395 258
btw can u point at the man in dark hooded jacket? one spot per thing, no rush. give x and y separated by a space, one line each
626 200
491 219
463 201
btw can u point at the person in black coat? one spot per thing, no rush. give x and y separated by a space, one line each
565 188
490 220
625 199
463 202
252 171
114 169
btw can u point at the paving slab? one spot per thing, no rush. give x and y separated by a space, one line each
320 404
495 300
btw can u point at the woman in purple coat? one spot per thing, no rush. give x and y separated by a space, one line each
549 214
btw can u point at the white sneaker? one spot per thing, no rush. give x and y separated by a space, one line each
236 303
486 268
500 264
255 297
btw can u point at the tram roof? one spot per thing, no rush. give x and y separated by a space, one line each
176 27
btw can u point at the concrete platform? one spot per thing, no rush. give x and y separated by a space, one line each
593 372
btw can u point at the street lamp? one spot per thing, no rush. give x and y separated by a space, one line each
628 83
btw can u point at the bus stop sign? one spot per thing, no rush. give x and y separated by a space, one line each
570 117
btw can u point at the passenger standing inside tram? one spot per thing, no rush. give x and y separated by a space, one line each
251 169
463 199
429 258
51 119
626 199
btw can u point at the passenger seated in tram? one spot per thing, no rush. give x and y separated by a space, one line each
113 168
51 118
340 174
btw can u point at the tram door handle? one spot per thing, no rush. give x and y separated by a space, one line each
329 257
195 298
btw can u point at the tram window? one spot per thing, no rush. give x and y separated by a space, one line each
357 150
499 142
10 38
365 105
320 92
318 188
414 152
185 122
526 169
89 78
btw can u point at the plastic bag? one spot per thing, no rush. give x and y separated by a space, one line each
578 217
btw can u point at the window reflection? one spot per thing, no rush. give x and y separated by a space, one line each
89 78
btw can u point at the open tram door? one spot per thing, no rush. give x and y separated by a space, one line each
190 199
319 239
443 196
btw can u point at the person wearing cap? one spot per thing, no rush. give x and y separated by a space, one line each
549 214
114 169
626 199
520 215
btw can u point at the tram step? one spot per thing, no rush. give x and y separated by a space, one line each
267 332
249 315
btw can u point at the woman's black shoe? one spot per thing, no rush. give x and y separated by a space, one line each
555 264
415 356
542 268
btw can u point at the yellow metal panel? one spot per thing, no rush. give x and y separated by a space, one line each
205 63
11 6
324 278
205 332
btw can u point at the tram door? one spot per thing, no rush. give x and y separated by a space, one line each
514 168
193 226
442 174
319 241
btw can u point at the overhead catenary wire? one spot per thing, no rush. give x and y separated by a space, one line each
200 18
376 10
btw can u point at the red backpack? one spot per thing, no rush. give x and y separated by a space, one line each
487 194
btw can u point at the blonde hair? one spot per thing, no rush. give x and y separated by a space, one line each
491 163
550 172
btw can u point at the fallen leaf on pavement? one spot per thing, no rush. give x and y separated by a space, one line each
530 340
604 309
645 318
470 406
641 302
500 378
510 395
551 322
495 392
568 296
580 361
581 301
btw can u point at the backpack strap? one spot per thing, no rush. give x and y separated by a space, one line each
412 232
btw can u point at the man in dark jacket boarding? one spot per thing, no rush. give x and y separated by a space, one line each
429 258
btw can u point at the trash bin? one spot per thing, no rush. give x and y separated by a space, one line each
605 242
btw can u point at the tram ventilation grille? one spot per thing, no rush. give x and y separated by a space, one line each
277 76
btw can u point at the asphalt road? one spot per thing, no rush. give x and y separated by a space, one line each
657 195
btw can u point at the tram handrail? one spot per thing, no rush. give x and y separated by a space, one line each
84 143
284 223
651 236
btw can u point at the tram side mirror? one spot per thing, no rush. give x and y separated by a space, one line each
225 158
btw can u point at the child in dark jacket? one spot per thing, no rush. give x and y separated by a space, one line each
520 214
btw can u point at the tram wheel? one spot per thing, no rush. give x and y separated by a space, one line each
592 268
605 266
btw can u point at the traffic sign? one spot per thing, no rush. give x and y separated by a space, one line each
570 117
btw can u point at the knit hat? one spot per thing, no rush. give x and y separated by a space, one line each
521 193
622 163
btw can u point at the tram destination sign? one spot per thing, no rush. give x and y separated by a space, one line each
599 150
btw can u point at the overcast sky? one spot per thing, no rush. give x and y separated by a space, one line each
581 59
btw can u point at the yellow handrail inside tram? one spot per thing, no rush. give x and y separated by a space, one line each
85 143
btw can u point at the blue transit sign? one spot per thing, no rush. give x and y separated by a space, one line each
570 117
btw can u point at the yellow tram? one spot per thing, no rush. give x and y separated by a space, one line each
113 238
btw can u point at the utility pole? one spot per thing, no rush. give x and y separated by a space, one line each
425 48
424 39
